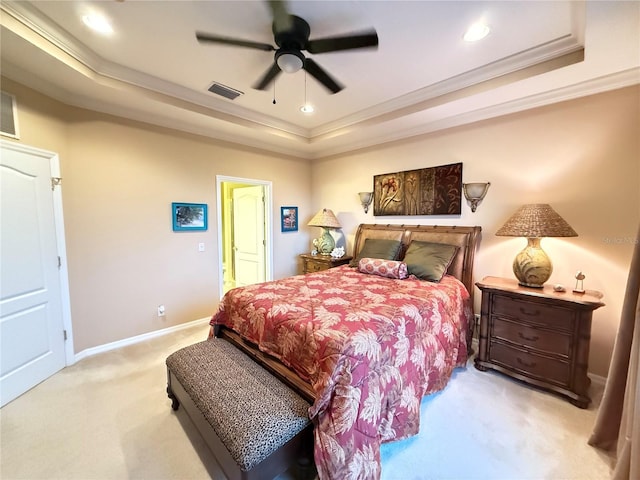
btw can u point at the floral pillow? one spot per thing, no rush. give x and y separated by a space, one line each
383 268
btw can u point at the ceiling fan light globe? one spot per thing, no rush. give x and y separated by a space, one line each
289 62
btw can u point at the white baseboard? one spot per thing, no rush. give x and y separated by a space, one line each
597 379
138 338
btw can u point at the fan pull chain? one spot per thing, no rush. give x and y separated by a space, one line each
274 92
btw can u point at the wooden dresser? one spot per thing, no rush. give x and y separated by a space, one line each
537 335
316 263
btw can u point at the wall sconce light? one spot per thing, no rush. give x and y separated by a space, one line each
365 199
475 192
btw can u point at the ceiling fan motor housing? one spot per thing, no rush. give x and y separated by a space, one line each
295 37
291 41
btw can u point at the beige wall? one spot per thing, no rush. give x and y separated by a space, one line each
581 156
119 179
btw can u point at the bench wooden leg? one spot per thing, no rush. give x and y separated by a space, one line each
175 403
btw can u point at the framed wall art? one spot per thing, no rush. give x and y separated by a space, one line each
189 216
289 219
427 191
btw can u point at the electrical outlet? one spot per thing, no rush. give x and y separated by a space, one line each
161 310
201 247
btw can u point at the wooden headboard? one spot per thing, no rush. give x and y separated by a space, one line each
466 238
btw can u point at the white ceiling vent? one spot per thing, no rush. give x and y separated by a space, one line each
8 116
223 90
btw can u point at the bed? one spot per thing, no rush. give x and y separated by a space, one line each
362 346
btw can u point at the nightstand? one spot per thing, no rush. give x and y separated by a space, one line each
537 335
316 263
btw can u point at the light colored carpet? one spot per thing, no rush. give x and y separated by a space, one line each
108 417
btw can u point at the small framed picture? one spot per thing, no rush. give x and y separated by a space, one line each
289 219
189 216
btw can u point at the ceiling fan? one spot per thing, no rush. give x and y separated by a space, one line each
291 35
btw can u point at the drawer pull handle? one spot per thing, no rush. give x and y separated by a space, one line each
525 364
533 313
534 338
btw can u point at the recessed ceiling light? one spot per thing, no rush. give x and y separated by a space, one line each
98 23
476 32
306 108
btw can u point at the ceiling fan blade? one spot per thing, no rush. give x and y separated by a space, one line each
207 38
349 42
282 20
323 77
268 77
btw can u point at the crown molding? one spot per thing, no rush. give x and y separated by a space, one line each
593 86
39 30
515 66
459 100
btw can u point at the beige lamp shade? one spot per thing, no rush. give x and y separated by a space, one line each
326 220
532 267
536 220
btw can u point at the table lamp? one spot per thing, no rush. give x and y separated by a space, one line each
532 266
326 220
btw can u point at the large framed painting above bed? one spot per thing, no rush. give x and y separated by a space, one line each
363 342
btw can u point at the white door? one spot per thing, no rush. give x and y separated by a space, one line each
31 320
248 235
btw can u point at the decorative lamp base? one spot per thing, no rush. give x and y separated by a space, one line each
532 267
325 244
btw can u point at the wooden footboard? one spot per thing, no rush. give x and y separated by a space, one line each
273 365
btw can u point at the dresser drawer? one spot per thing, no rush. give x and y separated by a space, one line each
535 313
532 365
311 266
541 340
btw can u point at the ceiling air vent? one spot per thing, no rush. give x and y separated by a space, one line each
224 91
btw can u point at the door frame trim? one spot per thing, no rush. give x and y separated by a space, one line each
63 272
268 219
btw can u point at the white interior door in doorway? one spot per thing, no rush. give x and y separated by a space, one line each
32 324
249 245
225 211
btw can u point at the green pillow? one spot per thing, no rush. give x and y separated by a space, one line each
429 261
377 248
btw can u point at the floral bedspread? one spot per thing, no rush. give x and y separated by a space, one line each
371 347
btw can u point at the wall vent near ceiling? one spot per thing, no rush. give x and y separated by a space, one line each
8 115
223 90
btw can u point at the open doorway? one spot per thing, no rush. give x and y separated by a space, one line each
244 232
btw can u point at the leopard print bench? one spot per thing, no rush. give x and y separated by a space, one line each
254 424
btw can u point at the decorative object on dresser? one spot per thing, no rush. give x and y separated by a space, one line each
532 267
324 219
316 263
539 336
579 282
475 192
365 199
